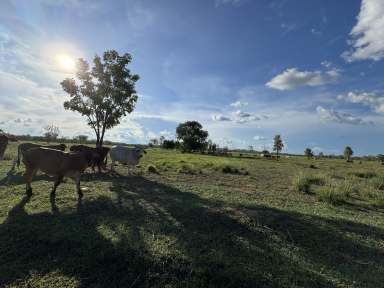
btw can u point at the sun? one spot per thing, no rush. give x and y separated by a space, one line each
66 62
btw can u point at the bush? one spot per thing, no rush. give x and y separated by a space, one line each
302 181
169 144
364 174
335 193
186 169
227 169
377 182
152 169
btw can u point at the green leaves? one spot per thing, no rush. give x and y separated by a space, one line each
104 93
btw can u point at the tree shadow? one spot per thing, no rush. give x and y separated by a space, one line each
154 235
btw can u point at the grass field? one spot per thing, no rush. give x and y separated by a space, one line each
200 221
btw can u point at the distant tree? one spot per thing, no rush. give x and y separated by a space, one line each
81 139
192 136
51 132
161 140
212 147
104 94
265 152
308 152
348 152
168 144
321 155
278 145
153 142
381 158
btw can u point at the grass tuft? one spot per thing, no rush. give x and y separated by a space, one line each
302 181
152 169
335 192
186 169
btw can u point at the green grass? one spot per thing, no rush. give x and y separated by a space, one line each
208 229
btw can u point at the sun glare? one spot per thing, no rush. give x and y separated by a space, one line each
66 62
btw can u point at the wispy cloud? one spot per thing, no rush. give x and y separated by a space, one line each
368 33
330 115
372 100
292 78
238 104
231 2
220 117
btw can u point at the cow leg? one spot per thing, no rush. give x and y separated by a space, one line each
129 170
113 165
57 183
29 174
78 188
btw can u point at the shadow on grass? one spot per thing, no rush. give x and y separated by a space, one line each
154 235
13 178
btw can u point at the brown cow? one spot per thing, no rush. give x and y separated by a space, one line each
98 154
4 139
54 163
26 146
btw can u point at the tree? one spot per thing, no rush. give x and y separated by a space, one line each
81 139
308 152
51 132
192 135
153 142
212 147
161 140
278 144
103 94
168 144
321 155
381 158
348 152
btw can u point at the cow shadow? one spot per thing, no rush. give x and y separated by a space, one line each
17 178
149 234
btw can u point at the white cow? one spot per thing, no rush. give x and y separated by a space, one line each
126 155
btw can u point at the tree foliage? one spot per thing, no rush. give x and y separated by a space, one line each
348 152
308 152
278 144
103 94
192 136
51 132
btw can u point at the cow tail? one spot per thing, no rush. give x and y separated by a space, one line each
18 156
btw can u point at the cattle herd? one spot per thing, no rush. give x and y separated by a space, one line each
54 161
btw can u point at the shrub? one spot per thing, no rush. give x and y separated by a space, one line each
152 169
377 182
301 183
186 169
335 193
364 174
312 166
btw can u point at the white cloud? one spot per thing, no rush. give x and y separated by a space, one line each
238 104
220 117
258 138
368 33
244 117
330 115
292 78
371 100
231 2
288 27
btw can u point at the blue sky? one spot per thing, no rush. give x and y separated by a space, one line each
311 71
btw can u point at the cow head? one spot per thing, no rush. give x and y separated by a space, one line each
140 151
